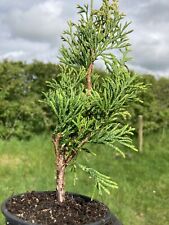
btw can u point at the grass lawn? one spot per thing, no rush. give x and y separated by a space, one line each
143 194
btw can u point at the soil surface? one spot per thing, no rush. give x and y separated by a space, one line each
44 209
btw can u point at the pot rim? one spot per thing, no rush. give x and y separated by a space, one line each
8 215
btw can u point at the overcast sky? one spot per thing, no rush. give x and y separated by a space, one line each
30 29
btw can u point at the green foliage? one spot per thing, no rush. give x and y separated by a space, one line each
100 117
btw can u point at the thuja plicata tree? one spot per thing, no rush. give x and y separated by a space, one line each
88 108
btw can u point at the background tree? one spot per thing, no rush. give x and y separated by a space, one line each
21 115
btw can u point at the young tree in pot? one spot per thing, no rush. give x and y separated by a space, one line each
89 108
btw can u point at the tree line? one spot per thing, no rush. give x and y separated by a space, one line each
22 114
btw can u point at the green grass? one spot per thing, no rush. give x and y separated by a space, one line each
143 194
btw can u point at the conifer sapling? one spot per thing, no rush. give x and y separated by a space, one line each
89 108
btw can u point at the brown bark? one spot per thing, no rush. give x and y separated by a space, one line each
60 178
88 78
60 169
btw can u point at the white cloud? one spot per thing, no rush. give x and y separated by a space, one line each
20 49
40 22
14 55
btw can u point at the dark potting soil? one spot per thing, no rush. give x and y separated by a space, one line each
44 209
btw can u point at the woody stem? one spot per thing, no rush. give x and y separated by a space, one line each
60 169
88 78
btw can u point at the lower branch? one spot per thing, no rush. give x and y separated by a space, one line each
74 152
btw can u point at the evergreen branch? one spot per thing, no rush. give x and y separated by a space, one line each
102 182
98 32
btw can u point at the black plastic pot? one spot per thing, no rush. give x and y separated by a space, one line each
11 219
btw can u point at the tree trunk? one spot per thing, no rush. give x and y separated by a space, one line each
88 78
60 177
60 168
